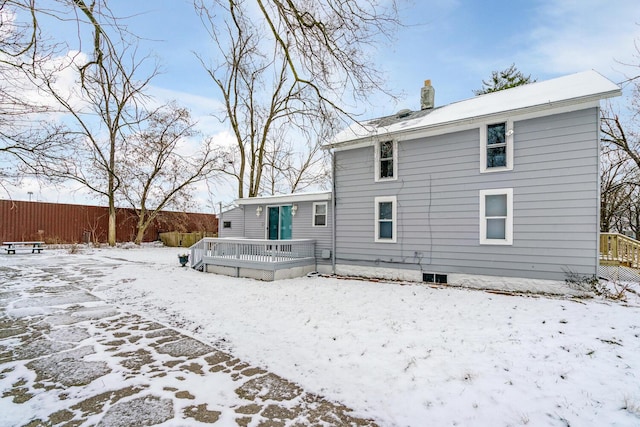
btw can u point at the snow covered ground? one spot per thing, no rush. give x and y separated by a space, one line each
404 355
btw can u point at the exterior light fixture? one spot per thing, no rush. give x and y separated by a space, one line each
258 210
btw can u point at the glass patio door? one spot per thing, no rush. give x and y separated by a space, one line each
280 223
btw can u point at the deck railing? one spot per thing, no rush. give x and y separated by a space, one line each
265 251
618 249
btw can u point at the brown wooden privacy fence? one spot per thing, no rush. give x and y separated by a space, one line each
64 223
176 238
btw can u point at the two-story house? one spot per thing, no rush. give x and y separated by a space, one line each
500 191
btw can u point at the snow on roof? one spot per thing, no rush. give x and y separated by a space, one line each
286 198
584 87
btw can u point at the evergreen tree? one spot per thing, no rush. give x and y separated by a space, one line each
505 79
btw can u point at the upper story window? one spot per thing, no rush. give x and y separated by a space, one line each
386 223
496 216
226 224
386 159
496 147
320 214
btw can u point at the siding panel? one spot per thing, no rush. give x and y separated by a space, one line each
555 193
236 217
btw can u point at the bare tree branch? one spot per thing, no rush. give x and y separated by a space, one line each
620 165
100 110
155 172
290 83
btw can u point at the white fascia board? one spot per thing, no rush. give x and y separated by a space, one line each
513 115
547 97
286 198
230 208
526 113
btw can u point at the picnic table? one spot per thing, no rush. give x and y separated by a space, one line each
12 247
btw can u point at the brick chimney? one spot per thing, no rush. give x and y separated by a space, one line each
427 96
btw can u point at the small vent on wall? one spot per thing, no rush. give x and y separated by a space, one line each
434 278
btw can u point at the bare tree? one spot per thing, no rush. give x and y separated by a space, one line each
257 106
298 166
101 109
240 80
328 43
615 135
23 49
631 215
620 174
287 68
617 183
155 173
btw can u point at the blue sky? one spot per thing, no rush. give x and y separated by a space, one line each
454 43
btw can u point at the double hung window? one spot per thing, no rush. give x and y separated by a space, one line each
385 219
496 216
320 214
386 158
496 147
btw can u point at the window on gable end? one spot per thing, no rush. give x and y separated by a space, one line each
386 158
496 147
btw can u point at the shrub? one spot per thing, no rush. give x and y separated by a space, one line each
604 288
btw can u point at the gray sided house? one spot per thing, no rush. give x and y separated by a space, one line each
501 190
271 237
497 191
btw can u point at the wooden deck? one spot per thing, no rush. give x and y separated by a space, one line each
259 259
619 250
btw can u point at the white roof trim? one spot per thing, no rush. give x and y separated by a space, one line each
286 198
576 89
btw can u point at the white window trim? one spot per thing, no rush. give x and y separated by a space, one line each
508 240
483 147
326 214
394 223
376 156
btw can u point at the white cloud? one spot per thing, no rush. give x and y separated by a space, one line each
202 108
573 35
196 103
33 190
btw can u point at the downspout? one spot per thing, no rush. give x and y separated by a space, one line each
333 211
244 222
598 189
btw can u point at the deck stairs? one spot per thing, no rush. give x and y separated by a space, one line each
198 265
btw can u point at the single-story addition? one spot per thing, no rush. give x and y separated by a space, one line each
496 191
500 190
271 237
